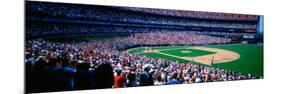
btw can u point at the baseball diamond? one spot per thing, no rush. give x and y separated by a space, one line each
237 57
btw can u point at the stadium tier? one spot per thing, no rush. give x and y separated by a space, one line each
92 18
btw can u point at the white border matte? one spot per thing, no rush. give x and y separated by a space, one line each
12 43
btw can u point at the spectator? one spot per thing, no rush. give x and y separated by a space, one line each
174 79
132 82
104 77
83 76
119 80
146 77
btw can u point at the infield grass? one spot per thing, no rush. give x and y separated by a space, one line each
190 52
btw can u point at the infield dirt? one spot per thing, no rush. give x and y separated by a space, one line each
221 56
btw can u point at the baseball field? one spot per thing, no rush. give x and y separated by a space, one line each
243 58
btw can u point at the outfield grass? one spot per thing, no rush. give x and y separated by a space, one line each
250 61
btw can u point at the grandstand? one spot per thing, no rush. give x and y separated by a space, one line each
56 18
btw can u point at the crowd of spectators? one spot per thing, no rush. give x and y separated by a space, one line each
35 29
106 13
194 14
96 64
223 33
39 29
174 38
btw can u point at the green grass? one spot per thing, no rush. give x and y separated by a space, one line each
193 52
156 55
169 47
137 50
250 61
